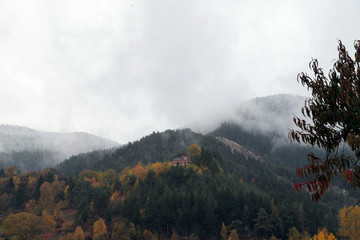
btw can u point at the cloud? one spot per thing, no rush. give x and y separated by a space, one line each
122 69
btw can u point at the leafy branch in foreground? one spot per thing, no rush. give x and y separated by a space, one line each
334 109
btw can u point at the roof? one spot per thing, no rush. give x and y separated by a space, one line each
179 155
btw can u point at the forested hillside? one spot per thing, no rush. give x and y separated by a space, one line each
28 149
157 200
239 185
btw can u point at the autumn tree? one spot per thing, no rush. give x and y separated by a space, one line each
120 232
148 235
233 235
23 225
224 232
334 116
194 150
79 233
48 221
349 223
46 200
294 234
100 229
323 235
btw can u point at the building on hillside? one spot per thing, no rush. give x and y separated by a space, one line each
181 160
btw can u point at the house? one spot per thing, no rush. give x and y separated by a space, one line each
181 160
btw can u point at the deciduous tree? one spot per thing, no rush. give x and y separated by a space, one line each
194 150
100 229
334 111
233 235
349 223
224 232
79 233
120 232
23 225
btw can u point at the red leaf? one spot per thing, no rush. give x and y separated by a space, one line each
351 175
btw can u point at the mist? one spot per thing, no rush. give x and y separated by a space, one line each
123 69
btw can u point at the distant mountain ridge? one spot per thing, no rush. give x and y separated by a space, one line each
57 146
269 114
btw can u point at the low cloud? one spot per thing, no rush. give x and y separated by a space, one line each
123 69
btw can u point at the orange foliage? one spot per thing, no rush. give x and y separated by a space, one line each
115 197
140 172
157 168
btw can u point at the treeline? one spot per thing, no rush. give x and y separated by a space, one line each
152 201
29 160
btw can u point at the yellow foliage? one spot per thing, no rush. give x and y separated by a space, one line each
23 225
30 206
349 223
148 235
58 215
68 236
100 229
57 187
120 232
233 235
125 172
194 150
17 182
46 200
323 235
49 222
79 233
331 237
224 232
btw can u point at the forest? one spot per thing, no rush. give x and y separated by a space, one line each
153 200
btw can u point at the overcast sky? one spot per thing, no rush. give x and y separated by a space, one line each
124 68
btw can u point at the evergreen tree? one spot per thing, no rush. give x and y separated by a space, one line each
262 225
275 220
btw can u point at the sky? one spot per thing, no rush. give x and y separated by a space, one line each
122 69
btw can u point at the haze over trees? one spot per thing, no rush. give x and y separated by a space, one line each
29 149
222 193
239 186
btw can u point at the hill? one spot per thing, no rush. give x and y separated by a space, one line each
29 149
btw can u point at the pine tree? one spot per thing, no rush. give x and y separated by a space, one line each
262 224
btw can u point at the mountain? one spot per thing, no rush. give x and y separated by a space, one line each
29 149
272 175
270 114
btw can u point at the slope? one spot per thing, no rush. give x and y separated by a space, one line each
29 149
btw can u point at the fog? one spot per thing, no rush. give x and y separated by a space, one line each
60 145
123 69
